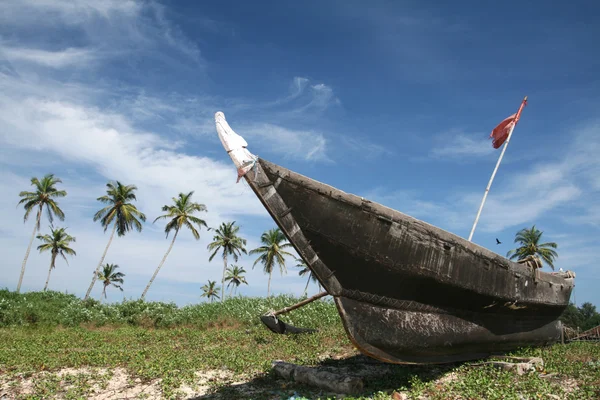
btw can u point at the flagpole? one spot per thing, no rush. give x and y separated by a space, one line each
487 189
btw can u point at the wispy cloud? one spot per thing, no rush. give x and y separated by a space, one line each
55 59
304 97
118 28
563 188
267 125
322 98
364 147
412 202
454 144
297 87
297 144
17 12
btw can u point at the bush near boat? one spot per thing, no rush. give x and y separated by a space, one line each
55 345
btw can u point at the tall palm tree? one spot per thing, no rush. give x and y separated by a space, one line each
210 291
181 215
109 276
120 211
235 277
530 246
44 195
227 240
305 270
272 252
57 242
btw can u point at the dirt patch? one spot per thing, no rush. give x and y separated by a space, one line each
106 384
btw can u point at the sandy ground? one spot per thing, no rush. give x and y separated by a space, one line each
104 384
113 384
107 384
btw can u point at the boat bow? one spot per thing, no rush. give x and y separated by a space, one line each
235 145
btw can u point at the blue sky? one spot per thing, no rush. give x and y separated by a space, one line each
393 101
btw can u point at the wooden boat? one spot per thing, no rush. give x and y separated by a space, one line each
406 291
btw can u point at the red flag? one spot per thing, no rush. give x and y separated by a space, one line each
500 133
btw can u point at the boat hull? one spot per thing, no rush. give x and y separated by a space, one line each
410 336
408 292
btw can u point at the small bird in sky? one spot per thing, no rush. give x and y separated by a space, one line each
498 242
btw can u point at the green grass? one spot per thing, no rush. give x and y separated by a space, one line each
58 309
165 346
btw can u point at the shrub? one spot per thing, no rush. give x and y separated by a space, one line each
54 308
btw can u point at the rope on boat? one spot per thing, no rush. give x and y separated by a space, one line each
254 166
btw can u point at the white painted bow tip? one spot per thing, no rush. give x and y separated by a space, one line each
234 144
229 139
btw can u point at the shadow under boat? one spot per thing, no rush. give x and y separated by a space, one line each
406 291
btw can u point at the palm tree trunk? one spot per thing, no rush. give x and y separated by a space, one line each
53 259
223 279
35 228
159 266
269 285
100 263
306 288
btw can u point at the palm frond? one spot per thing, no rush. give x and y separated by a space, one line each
529 240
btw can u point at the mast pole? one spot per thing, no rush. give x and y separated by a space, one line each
489 185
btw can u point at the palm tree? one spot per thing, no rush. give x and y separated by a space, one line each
530 247
235 276
227 240
108 276
272 252
210 291
57 242
305 270
44 195
120 211
181 215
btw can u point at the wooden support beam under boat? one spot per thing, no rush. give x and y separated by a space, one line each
300 304
278 326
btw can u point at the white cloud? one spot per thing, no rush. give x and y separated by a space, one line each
195 116
564 188
298 86
321 97
460 145
582 158
509 208
118 28
108 143
298 144
441 214
53 59
304 97
363 146
16 12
